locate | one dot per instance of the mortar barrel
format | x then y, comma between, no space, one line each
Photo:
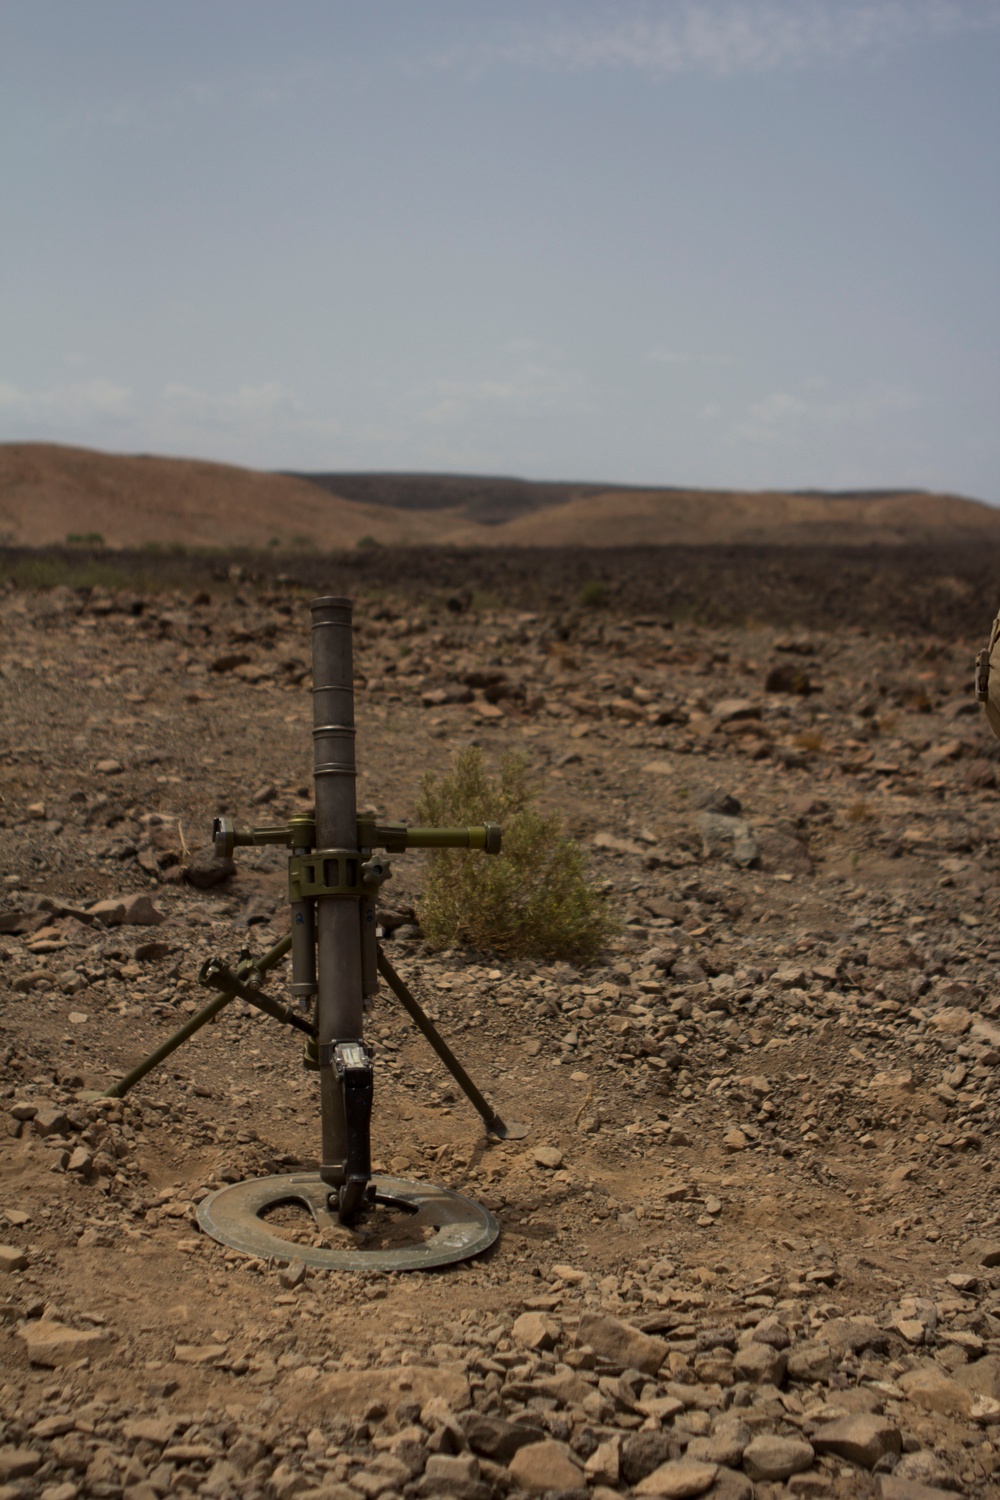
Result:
339,1007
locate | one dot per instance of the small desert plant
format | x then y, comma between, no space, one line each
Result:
533,900
594,594
810,740
84,539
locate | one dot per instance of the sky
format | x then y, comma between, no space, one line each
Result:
720,243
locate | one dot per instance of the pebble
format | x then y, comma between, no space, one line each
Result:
52,1344
548,1465
862,1440
533,1330
549,1157
621,1342
12,1258
678,1479
17,1463
772,1457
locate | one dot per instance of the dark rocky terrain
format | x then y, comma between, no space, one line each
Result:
752,1245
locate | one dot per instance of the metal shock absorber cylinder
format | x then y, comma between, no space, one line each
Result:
340,1005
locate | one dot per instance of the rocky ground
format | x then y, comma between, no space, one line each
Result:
752,1244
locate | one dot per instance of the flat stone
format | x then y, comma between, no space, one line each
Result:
568,1388
678,1479
981,1376
17,1463
386,1473
292,1275
725,1446
449,1472
12,1259
861,1439
545,1466
910,1489
978,1252
50,1427
50,1120
929,1387
728,710
730,1484
760,1363
67,1490
771,1331
498,1439
622,1343
852,1335
547,1156
109,767
771,1457
140,912
533,1330
110,911
926,1467
661,1407
953,1020
52,1345
199,1354
604,1464
158,1430
189,1453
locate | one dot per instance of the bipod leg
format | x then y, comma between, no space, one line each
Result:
495,1126
216,976
195,1023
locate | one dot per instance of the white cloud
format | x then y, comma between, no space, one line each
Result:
683,357
252,420
783,418
66,406
536,386
249,404
724,37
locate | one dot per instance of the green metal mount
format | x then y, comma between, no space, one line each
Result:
300,833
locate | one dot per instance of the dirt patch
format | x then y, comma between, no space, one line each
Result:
771,1108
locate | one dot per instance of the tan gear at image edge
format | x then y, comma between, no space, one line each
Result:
988,678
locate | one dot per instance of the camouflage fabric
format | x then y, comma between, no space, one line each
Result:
988,678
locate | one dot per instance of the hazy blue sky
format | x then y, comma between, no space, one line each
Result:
716,242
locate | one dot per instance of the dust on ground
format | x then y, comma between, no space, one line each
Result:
759,1193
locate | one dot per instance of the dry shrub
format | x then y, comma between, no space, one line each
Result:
533,900
809,739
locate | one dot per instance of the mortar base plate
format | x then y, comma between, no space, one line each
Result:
411,1226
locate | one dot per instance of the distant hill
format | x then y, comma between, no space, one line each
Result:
487,499
49,493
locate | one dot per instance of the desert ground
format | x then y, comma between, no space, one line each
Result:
751,1246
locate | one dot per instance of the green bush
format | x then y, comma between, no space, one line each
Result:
594,594
531,901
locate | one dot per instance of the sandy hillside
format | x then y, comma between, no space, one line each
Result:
650,517
48,493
